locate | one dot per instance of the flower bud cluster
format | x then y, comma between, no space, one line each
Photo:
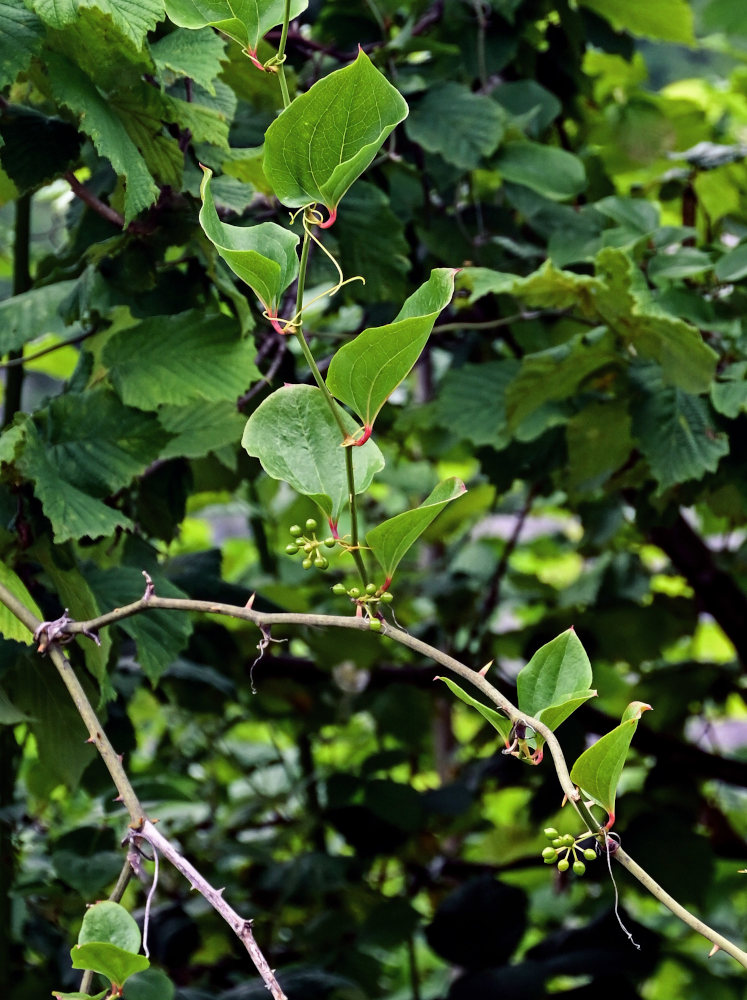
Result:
306,542
566,847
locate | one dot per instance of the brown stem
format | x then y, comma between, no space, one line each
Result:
90,199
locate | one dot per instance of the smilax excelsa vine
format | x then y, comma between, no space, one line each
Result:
320,439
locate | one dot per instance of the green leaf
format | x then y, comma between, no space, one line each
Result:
685,263
152,984
496,720
10,626
71,87
328,136
729,393
733,265
21,34
133,18
556,681
546,288
551,172
246,21
296,438
462,127
194,54
174,360
668,20
110,922
108,960
201,429
674,429
597,771
366,371
471,402
159,635
599,442
390,540
263,256
36,148
32,314
81,996
88,874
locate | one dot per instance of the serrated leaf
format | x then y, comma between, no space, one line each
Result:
264,256
556,681
328,136
10,626
21,35
496,720
597,771
674,430
471,402
390,540
35,148
551,172
200,429
546,288
133,18
459,125
158,635
110,922
195,54
296,438
246,21
670,20
367,370
174,360
108,960
32,314
71,87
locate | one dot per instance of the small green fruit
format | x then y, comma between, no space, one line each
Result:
311,524
569,839
558,842
291,549
321,563
550,832
374,624
295,530
330,542
306,563
549,854
354,592
339,588
579,868
386,597
563,865
590,854
371,588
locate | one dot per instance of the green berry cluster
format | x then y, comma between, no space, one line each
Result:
305,541
367,598
565,846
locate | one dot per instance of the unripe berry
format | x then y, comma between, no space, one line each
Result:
321,563
374,624
579,868
558,842
563,865
295,530
311,524
386,597
308,547
306,563
354,592
551,833
371,588
291,549
549,854
330,542
339,588
590,854
569,839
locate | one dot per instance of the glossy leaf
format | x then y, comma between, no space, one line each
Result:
110,922
246,21
296,438
328,136
108,960
666,19
365,372
264,256
496,720
10,626
556,681
390,540
597,771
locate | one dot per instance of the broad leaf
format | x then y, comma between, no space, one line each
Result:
35,148
201,429
366,371
10,626
496,720
551,172
108,960
546,288
390,540
246,21
81,996
328,136
729,393
110,922
296,438
674,429
597,771
459,125
264,256
21,34
194,54
556,681
733,265
31,314
132,18
670,20
174,360
471,402
151,984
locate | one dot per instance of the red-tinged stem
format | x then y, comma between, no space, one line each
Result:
331,220
333,527
366,435
387,584
255,62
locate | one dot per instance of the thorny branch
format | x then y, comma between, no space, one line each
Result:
264,621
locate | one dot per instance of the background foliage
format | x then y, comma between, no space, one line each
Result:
584,163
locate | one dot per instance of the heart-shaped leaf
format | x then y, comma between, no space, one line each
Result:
597,771
329,135
110,922
108,960
556,681
391,539
496,720
296,438
365,372
246,21
263,256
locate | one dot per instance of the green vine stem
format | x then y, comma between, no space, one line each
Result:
115,896
264,620
281,55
